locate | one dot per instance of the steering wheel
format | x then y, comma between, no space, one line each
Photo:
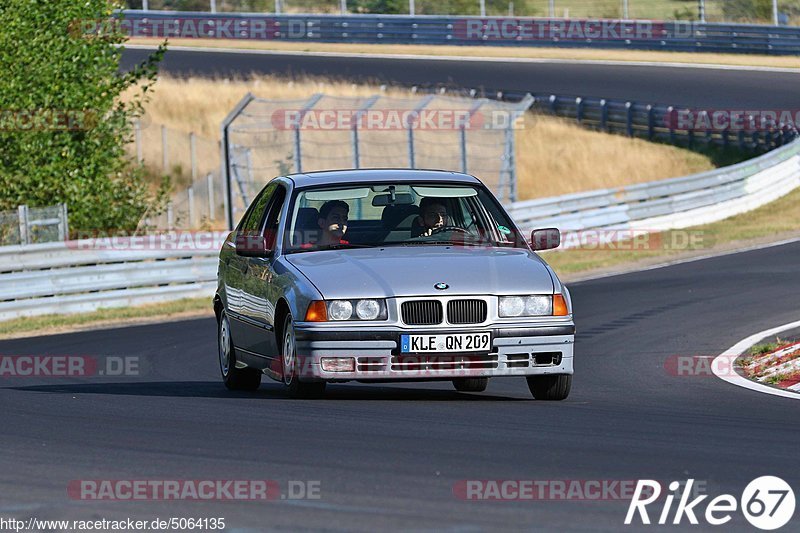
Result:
450,228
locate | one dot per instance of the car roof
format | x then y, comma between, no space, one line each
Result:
398,175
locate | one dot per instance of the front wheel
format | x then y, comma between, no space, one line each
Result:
297,388
234,378
553,387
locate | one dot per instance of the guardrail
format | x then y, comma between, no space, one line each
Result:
80,276
85,275
672,203
683,36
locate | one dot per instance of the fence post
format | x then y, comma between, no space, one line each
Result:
210,185
553,104
603,115
701,11
579,110
775,20
552,9
213,6
671,122
411,8
462,137
137,128
483,7
629,119
190,193
164,149
650,122
625,14
170,217
63,222
278,7
417,110
145,5
22,212
193,154
343,7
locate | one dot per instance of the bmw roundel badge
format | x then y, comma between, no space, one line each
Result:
441,286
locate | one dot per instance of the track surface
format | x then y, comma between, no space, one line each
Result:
388,456
707,88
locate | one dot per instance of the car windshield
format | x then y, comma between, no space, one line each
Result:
402,214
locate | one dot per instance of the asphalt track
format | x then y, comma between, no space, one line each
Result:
388,456
703,88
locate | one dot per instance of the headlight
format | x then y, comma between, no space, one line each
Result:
511,306
538,305
340,310
369,309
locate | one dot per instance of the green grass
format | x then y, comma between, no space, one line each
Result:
48,323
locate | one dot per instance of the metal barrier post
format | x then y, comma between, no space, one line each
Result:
210,185
63,222
416,112
226,153
354,129
603,115
22,213
190,194
650,122
298,154
629,119
579,110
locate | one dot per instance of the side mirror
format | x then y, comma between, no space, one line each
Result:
252,244
545,239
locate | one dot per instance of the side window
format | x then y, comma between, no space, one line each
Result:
255,213
273,220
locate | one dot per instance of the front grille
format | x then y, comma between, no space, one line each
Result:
422,312
466,311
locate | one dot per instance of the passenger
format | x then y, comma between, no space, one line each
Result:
433,215
333,222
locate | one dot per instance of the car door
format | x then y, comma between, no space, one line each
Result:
236,270
262,290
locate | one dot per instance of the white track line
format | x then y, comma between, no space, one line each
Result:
738,349
461,59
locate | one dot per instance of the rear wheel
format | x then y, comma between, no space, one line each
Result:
551,387
234,378
297,388
471,384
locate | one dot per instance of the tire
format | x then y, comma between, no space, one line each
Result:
233,378
553,387
471,384
297,389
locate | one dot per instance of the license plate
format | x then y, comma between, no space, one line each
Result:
461,342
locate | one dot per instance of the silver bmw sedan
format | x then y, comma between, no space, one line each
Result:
389,275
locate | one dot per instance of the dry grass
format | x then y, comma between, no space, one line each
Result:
495,52
553,156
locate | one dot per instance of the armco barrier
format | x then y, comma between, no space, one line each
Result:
671,203
683,36
79,276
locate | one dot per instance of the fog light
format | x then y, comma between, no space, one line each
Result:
338,364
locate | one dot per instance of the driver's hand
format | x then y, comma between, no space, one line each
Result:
427,233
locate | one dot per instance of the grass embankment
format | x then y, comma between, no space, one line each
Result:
554,156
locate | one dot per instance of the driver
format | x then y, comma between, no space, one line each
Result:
333,216
433,215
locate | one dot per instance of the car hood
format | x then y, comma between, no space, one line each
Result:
413,271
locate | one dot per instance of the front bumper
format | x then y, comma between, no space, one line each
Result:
518,351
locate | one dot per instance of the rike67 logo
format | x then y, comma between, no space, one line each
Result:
767,503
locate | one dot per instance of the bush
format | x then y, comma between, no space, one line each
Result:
65,123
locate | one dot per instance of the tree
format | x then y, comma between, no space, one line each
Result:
65,124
